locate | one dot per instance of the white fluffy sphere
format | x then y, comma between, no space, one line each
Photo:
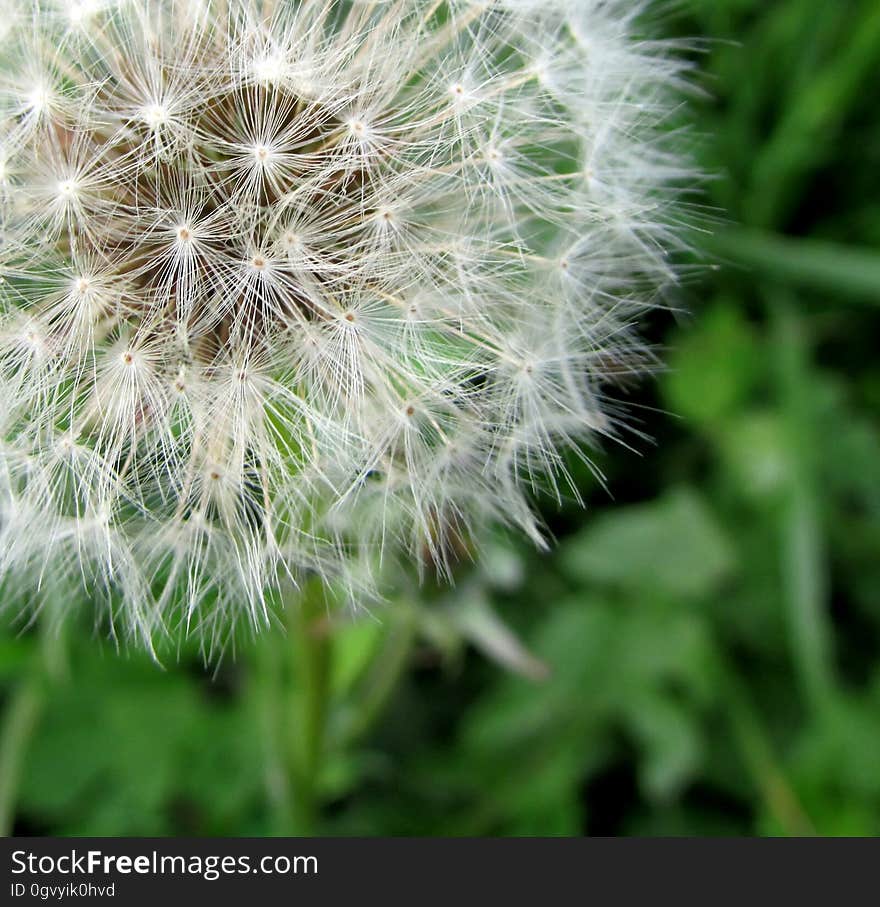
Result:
286,284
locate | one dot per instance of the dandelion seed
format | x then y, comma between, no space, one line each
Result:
155,116
271,69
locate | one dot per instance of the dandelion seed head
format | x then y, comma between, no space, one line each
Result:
290,289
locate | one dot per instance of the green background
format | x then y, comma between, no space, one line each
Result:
697,654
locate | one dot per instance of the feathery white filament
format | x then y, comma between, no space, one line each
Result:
289,283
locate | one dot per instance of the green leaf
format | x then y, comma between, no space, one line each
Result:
714,367
354,644
670,741
754,455
672,546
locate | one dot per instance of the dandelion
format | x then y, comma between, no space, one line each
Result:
288,287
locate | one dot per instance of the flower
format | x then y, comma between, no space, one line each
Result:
288,285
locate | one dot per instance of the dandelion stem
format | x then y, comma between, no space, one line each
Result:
292,690
269,695
312,654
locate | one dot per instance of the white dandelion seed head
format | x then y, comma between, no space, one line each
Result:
290,287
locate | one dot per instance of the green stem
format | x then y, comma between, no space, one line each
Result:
312,653
759,758
269,692
803,561
19,722
291,689
827,267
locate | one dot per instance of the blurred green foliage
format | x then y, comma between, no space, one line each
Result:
697,654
